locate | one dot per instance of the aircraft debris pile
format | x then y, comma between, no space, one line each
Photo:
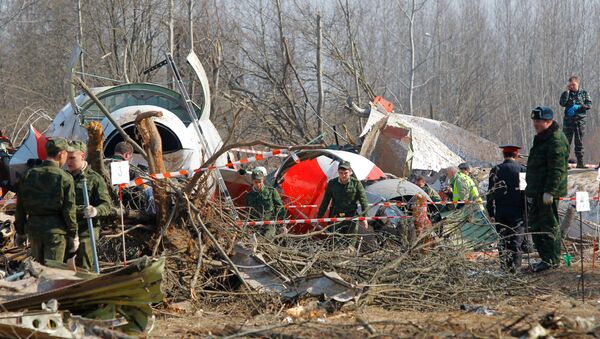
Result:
62,303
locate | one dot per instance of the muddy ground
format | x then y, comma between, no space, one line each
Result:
556,305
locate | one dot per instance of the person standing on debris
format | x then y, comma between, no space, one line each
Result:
462,187
264,203
99,199
344,192
506,204
546,183
138,197
46,207
420,181
576,102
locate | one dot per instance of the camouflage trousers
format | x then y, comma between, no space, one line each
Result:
575,130
545,229
85,254
348,233
46,247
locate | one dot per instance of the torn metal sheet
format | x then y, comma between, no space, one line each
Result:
400,143
395,188
329,285
128,291
256,272
264,278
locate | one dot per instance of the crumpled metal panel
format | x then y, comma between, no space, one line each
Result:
432,145
264,278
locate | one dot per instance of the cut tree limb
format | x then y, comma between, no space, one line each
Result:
153,146
106,113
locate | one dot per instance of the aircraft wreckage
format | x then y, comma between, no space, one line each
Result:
189,138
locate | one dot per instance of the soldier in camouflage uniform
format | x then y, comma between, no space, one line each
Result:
46,207
576,102
99,199
420,181
264,203
546,183
344,192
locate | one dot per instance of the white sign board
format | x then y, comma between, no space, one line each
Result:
598,177
119,172
522,181
583,201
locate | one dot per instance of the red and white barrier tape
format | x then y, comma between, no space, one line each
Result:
251,151
393,203
181,173
317,220
575,199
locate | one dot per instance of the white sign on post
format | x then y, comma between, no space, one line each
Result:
119,172
598,177
583,201
522,181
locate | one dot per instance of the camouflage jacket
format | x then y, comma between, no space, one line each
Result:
98,195
431,193
265,205
547,163
343,198
581,97
46,202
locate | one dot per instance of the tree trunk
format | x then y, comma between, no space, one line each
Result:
320,75
152,144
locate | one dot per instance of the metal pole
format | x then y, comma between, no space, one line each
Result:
86,202
527,232
194,118
581,250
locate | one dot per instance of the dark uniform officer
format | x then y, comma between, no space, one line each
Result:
46,206
264,203
546,182
576,102
99,199
344,192
506,204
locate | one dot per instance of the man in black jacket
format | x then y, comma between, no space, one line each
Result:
506,204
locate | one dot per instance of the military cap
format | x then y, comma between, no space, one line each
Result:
463,166
508,148
344,165
542,113
76,145
257,174
55,145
